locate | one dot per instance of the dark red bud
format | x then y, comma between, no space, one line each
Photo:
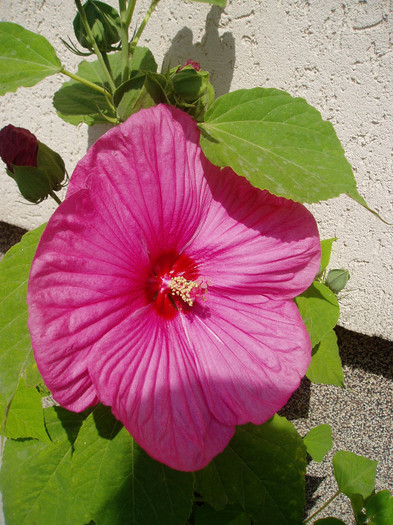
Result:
193,64
18,147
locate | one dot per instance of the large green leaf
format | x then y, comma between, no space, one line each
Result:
35,477
319,441
319,309
116,482
230,515
278,143
326,367
76,102
16,356
262,470
25,417
379,508
25,58
354,474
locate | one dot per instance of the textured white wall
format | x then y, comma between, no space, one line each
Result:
336,54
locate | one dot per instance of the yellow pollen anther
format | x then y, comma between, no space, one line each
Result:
183,288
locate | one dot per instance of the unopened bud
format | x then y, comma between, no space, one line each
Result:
18,146
37,170
336,280
190,89
191,63
105,25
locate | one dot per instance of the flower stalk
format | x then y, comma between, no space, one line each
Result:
139,32
55,197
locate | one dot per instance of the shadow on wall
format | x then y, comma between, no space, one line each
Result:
215,53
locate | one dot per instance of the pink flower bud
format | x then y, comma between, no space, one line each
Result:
18,147
193,64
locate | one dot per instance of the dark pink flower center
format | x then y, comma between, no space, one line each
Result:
173,284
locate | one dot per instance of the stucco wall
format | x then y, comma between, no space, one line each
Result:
336,54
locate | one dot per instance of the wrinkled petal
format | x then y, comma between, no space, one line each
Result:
159,175
255,243
144,369
251,355
87,274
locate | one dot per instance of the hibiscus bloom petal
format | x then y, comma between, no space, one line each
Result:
116,309
251,355
159,175
255,243
81,284
147,372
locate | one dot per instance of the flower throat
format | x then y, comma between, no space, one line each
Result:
173,284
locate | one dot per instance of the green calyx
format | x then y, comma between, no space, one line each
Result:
37,183
190,90
105,25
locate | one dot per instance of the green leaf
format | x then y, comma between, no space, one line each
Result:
35,477
319,309
379,508
76,102
262,470
329,521
116,482
221,3
278,143
230,515
25,418
209,483
326,367
326,250
16,355
357,503
25,58
354,474
142,91
319,441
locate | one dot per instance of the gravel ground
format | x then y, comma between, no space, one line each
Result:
360,414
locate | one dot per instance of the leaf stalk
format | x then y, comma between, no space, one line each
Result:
323,506
84,81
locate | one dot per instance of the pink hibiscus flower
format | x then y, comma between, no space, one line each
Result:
163,288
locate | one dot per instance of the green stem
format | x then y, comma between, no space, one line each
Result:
94,44
125,17
150,11
84,81
125,56
323,506
130,11
55,197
